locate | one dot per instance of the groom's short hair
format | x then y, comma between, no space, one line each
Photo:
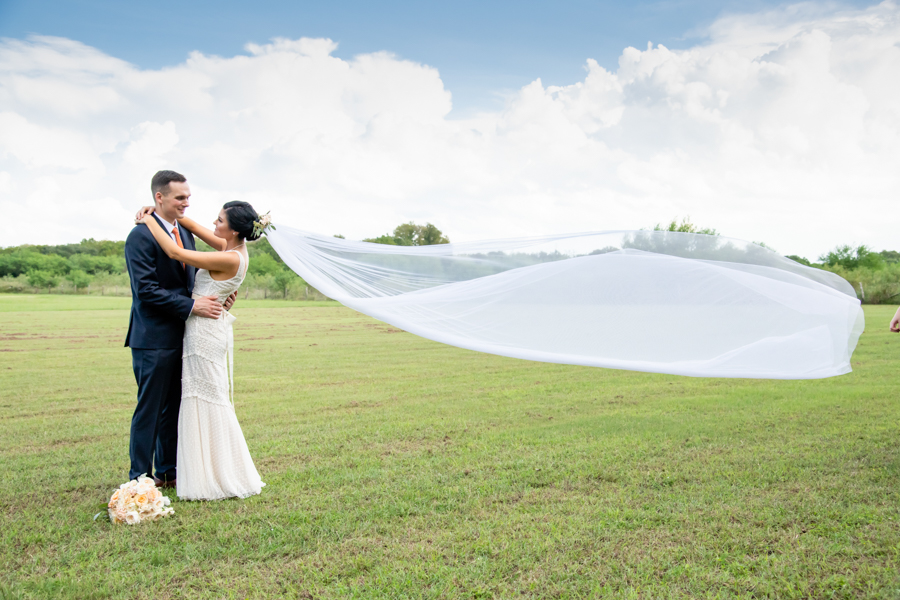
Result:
162,179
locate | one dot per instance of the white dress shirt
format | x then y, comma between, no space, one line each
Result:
169,227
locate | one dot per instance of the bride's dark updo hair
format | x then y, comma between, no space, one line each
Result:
240,218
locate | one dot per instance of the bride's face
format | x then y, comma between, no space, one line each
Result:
221,228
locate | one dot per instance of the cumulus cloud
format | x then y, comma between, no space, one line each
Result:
150,143
783,127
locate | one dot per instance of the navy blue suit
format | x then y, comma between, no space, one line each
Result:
160,304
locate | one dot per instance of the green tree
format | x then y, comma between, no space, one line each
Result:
266,282
853,258
798,259
40,279
262,246
103,247
88,246
405,234
386,239
282,281
79,279
685,227
429,235
23,259
96,264
410,234
264,264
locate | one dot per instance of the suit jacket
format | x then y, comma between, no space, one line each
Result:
160,290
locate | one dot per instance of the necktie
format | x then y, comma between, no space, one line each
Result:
178,241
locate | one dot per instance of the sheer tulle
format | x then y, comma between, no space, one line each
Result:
680,303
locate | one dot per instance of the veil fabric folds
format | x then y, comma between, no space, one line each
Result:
654,301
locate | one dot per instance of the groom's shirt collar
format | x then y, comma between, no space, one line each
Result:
169,227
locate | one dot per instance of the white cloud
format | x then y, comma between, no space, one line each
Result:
36,147
150,143
784,127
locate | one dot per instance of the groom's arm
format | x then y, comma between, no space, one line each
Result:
141,260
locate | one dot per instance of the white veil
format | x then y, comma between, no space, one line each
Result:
664,302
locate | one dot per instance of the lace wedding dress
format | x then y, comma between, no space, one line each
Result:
213,459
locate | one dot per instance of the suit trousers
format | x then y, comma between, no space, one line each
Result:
154,426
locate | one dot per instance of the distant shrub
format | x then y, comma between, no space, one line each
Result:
873,286
799,259
849,257
43,279
13,285
79,279
685,227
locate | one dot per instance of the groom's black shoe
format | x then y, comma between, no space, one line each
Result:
170,483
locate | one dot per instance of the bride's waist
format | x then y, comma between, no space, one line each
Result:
206,321
196,296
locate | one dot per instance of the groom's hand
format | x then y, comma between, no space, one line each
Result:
207,306
229,302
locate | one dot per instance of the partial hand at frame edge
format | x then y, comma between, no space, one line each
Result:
895,322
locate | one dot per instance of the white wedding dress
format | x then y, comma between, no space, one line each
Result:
213,459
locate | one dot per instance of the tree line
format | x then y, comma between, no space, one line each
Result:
874,275
98,267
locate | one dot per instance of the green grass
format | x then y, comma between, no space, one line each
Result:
401,468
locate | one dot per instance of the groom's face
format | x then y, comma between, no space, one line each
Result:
173,203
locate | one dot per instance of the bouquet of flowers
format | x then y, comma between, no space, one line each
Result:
137,501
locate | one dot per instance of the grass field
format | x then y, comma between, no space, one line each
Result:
402,468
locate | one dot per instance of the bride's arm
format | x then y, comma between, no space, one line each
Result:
191,225
214,262
203,233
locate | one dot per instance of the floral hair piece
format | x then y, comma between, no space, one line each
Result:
260,225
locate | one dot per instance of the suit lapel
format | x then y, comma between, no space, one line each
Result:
158,220
186,273
187,240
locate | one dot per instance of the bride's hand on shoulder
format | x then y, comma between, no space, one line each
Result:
144,212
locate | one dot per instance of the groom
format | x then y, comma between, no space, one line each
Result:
161,303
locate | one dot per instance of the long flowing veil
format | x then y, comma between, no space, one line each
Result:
664,302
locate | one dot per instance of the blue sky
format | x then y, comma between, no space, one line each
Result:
481,48
768,122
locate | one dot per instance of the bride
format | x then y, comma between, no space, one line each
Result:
213,461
